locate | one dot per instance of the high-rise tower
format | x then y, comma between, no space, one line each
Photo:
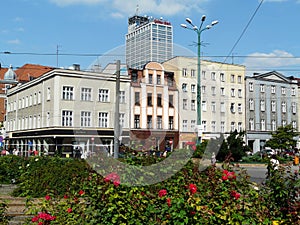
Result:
148,39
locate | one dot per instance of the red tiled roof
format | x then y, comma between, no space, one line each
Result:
29,71
2,72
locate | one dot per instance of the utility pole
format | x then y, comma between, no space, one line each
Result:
117,113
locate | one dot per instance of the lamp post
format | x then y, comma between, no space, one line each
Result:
198,30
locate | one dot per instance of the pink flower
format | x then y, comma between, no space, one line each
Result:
169,202
35,219
162,192
193,188
228,175
81,192
47,197
40,223
224,177
69,210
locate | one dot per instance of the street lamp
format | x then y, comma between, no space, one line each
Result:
198,31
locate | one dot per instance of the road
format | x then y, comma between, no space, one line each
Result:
258,172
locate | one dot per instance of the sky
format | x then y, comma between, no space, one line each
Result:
263,35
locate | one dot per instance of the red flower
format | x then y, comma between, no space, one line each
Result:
66,196
47,197
113,177
224,177
169,202
35,219
193,188
81,192
228,175
69,210
40,223
235,194
162,192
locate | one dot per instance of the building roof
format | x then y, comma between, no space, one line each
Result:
30,71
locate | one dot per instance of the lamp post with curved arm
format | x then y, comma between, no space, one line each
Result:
198,30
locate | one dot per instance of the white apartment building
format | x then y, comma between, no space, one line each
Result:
222,97
66,108
148,40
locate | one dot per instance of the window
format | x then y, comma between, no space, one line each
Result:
184,125
232,126
193,125
85,119
26,101
283,123
203,75
193,88
232,78
251,124
68,93
103,119
222,126
150,78
171,122
203,106
274,127
136,121
251,104
184,72
222,107
158,79
294,108
232,91
239,79
193,73
294,124
193,105
251,86
240,110
67,118
222,91
103,95
159,122
283,90
240,93
232,108
149,122
48,93
137,98
86,94
213,75
35,98
263,125
293,91
184,104
170,81
149,99
239,128
273,89
171,101
213,106
39,97
213,126
222,77
273,106
283,107
122,119
134,77
184,87
122,97
262,105
262,88
159,103
203,88
213,90
204,125
47,119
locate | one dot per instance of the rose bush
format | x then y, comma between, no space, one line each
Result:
213,196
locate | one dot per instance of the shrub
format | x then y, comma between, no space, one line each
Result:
9,168
3,216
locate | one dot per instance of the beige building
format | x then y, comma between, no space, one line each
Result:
154,108
66,108
222,97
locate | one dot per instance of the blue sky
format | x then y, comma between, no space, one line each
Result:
82,30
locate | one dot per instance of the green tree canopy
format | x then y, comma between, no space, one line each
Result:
283,138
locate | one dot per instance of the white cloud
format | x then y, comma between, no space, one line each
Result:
125,8
270,61
14,42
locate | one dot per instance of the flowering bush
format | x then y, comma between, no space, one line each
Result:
214,196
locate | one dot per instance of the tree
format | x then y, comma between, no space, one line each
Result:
283,138
233,145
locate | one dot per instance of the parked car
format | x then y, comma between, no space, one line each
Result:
268,152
